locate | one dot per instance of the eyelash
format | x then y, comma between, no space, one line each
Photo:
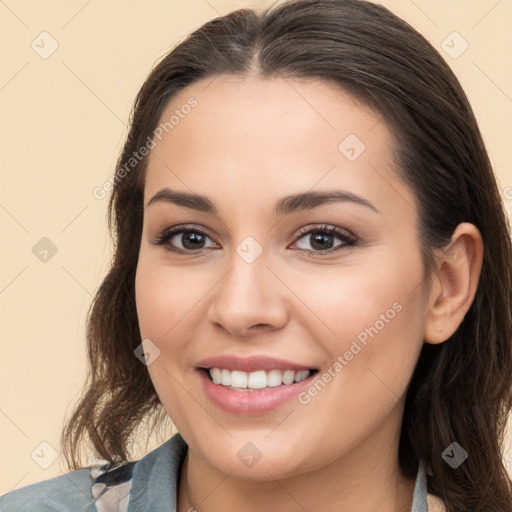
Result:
163,238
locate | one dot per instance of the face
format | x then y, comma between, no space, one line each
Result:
316,303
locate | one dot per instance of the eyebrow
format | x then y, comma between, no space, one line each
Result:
284,206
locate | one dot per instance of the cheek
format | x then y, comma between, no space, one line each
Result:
361,301
165,297
373,319
378,325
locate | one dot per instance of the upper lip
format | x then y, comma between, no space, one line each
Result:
250,364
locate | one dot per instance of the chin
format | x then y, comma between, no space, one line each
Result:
255,460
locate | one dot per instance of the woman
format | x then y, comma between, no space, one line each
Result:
312,280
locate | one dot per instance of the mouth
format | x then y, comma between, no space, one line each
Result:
252,385
238,380
253,393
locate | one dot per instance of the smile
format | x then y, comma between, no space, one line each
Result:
240,380
253,393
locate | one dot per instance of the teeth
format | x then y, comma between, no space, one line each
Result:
216,374
225,378
256,380
288,377
238,379
274,378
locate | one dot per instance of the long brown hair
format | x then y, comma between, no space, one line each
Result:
461,389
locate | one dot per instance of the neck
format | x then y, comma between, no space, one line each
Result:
366,479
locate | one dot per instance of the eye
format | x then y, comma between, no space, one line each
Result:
322,239
191,239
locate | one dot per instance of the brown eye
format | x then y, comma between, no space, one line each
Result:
323,239
180,239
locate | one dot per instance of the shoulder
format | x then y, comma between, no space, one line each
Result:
55,495
94,488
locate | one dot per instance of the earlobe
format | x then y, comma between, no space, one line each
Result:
455,283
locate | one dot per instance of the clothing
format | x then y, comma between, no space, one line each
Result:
148,485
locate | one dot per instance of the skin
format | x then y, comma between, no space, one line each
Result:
246,144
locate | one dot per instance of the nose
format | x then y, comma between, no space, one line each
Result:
249,299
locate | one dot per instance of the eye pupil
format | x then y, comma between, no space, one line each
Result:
319,241
193,238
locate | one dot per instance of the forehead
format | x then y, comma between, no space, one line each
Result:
250,113
256,136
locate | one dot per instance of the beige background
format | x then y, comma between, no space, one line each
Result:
63,122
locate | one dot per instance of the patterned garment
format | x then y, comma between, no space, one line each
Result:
111,486
148,485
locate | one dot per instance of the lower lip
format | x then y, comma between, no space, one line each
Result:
251,402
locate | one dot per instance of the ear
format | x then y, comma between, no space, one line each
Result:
454,283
